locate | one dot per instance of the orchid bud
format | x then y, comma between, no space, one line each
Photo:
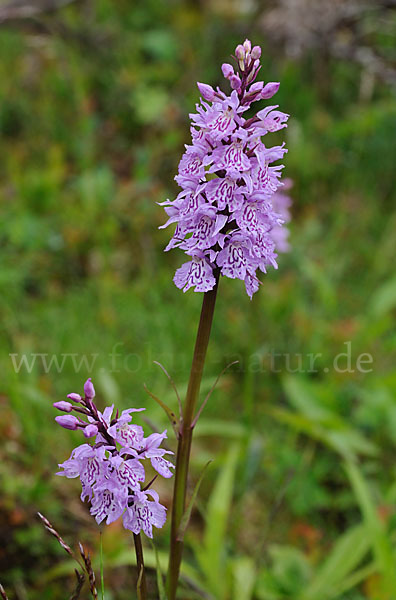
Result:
90,430
235,82
89,390
74,397
256,87
256,52
227,70
247,46
67,421
206,91
240,52
65,406
269,90
253,74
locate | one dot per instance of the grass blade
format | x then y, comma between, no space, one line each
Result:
211,556
244,575
376,529
347,553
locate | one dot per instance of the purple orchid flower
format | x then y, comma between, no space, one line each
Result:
227,217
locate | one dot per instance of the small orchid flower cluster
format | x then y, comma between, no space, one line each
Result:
111,472
224,214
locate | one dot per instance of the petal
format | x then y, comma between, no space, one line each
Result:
162,466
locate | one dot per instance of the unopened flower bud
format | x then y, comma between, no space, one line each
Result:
89,390
227,69
65,406
235,82
74,397
206,91
247,46
252,75
90,430
256,52
240,52
256,87
269,90
67,421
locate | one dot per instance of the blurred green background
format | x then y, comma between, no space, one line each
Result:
299,502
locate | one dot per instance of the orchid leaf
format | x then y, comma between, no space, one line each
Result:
187,513
170,414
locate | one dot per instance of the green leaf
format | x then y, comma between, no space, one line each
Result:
244,575
383,299
355,579
170,414
211,555
290,569
376,529
320,422
345,442
346,554
187,513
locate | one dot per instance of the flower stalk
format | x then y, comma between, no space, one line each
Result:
141,583
185,438
225,222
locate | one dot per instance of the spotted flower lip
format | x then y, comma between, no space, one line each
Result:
111,471
227,218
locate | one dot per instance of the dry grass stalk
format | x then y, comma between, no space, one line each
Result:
80,582
89,571
53,531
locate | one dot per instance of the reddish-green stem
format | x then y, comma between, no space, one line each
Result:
142,587
185,438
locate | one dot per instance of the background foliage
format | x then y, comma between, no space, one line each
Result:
299,502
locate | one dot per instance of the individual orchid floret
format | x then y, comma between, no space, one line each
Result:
111,470
225,217
142,514
151,449
198,273
107,504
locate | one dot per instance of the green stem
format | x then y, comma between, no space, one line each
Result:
141,585
185,438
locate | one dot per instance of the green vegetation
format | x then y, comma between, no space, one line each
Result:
299,501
